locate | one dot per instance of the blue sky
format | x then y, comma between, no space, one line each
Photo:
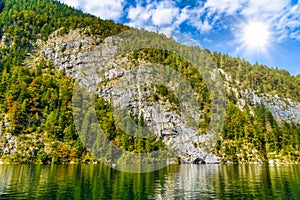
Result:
267,32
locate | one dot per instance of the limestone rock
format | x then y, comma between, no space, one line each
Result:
130,87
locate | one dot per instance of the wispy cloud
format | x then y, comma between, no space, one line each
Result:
264,8
168,15
228,7
280,15
163,16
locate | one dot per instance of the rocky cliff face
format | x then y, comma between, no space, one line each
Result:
283,109
130,85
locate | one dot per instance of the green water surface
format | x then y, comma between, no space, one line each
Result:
172,182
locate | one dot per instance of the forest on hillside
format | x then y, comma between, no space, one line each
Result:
36,103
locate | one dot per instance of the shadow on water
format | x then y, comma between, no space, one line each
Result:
171,182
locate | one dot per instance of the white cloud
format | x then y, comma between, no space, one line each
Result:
164,15
182,16
283,18
247,8
293,24
105,9
161,16
295,35
71,3
287,22
203,27
138,13
226,6
267,8
139,16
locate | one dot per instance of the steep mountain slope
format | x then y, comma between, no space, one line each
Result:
42,54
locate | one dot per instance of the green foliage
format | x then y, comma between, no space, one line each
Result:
189,72
24,22
118,136
38,101
36,108
166,94
40,104
259,77
250,138
247,136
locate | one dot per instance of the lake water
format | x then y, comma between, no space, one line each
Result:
172,182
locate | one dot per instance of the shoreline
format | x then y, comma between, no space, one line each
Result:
113,164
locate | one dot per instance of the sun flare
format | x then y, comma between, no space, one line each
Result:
256,35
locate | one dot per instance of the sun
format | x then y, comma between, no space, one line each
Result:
256,35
